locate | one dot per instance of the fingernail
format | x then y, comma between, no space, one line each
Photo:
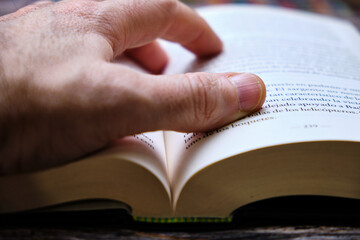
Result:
249,90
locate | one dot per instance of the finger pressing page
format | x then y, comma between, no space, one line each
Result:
135,23
151,56
131,102
204,101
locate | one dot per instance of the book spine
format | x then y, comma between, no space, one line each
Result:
183,220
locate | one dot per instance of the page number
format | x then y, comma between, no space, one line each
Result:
311,126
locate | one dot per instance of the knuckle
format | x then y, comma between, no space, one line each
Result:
112,20
122,20
204,94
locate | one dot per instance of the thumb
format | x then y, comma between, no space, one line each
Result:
204,101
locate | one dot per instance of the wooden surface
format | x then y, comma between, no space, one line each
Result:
306,217
273,232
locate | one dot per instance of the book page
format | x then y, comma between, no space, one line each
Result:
145,149
310,65
131,170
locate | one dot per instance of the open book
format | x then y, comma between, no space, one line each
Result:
304,141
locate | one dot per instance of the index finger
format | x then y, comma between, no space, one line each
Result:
134,23
192,32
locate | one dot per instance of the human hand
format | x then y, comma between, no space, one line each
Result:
61,97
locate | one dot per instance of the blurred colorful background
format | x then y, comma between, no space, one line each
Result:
349,9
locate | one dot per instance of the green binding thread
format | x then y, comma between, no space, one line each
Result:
183,220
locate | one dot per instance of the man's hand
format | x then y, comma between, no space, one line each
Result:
61,97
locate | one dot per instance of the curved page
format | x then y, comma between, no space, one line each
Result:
310,64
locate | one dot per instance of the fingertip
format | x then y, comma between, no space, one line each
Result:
160,67
151,56
193,32
206,44
251,91
262,94
208,49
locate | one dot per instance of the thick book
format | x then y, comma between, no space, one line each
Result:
304,141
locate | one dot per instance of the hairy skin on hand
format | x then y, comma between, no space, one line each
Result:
61,97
